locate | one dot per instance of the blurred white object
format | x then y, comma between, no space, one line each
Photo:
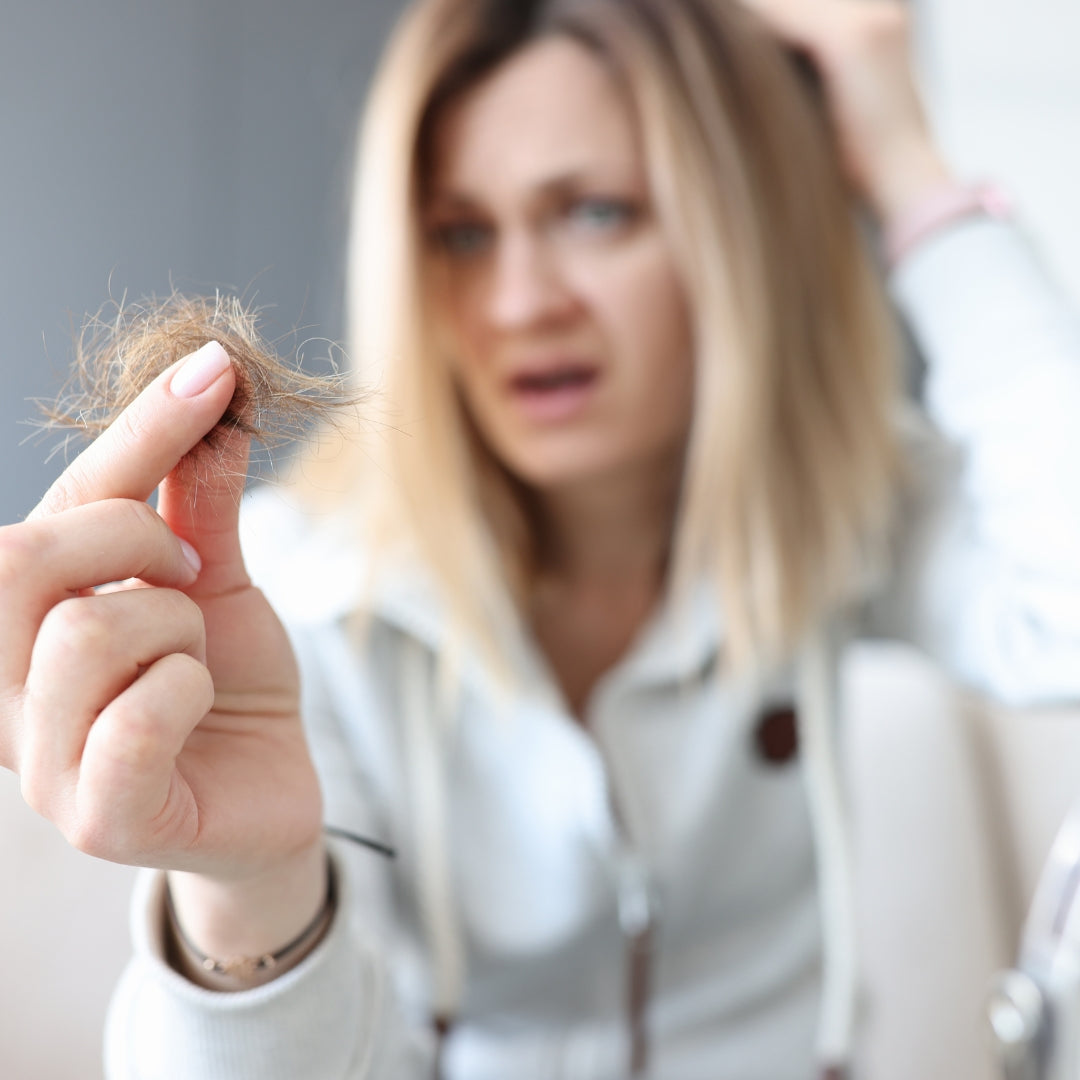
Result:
1034,1010
1003,87
932,913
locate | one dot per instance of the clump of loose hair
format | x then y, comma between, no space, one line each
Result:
125,346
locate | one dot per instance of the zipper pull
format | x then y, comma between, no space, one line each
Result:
636,897
637,910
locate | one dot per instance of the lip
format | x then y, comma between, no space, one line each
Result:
553,390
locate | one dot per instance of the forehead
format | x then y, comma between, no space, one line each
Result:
551,111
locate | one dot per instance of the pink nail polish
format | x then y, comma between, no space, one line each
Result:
191,555
199,370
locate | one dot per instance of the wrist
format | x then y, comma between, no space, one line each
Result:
223,931
911,170
939,209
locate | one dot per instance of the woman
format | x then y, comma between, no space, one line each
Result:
642,458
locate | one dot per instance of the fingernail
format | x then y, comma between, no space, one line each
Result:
199,370
191,555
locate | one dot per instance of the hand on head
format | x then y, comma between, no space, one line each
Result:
862,51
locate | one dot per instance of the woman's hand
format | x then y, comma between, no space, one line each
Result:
862,51
156,722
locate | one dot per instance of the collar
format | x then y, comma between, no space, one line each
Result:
314,569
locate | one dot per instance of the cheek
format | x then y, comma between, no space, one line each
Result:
455,337
449,299
647,323
445,311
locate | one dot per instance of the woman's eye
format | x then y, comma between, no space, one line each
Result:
461,238
601,214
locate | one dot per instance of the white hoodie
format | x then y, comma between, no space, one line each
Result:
515,887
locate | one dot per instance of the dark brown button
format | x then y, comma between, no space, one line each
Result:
776,736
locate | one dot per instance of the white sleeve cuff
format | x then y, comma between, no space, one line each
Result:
320,1021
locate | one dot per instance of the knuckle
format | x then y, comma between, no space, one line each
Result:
202,685
131,428
138,515
884,24
150,729
879,30
78,627
71,490
94,835
198,683
137,738
142,742
18,553
181,609
145,520
55,501
46,793
36,794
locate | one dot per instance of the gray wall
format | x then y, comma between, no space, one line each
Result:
145,144
207,144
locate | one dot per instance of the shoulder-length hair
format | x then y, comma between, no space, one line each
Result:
791,457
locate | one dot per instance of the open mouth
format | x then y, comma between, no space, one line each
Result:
571,378
555,394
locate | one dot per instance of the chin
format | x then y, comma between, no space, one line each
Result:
565,464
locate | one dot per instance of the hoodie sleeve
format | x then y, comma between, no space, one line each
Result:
988,567
334,1017
341,1013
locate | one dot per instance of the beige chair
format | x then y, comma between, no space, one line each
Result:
63,943
956,807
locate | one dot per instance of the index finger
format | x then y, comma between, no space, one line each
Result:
150,436
801,24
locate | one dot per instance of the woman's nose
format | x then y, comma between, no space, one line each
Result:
527,286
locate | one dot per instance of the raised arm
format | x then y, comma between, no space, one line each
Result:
988,569
149,701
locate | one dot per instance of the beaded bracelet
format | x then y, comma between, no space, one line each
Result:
248,967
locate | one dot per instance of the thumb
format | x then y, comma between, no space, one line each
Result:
200,502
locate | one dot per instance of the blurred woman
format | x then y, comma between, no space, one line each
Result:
573,627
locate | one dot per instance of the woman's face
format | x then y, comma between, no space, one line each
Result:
553,282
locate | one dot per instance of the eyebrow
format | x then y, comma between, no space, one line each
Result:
559,184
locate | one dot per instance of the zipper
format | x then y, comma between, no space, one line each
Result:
637,906
634,894
637,910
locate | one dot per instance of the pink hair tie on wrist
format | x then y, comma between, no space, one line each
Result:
938,211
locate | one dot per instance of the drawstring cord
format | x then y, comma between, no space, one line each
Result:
820,741
426,779
832,840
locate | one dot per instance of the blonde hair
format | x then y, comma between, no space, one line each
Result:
791,457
